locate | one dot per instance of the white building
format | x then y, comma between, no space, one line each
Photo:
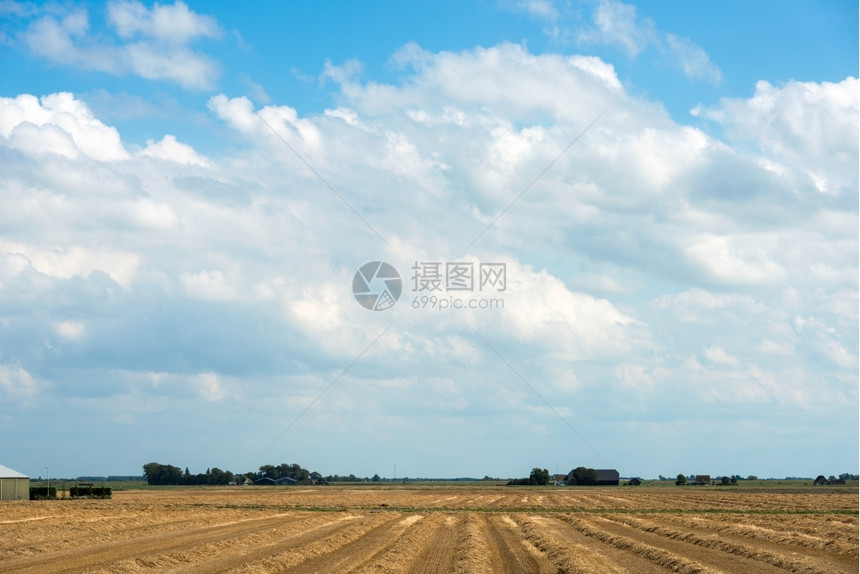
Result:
13,484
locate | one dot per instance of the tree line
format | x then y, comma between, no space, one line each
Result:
581,476
157,474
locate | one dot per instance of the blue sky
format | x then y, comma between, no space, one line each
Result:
189,189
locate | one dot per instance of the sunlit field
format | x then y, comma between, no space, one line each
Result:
437,529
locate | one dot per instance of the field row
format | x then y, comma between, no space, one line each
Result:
702,499
248,531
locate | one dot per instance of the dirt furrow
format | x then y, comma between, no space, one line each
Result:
358,551
510,552
570,552
73,534
437,556
88,557
841,540
473,552
253,547
677,555
762,551
420,548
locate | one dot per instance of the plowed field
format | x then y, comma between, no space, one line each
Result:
436,530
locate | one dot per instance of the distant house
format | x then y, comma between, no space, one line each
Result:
559,479
703,479
286,480
608,477
635,481
821,481
605,477
248,482
13,484
265,481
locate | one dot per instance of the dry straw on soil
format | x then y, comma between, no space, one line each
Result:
435,530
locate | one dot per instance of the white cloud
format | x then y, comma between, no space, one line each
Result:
651,258
808,126
692,59
148,213
171,150
720,356
772,347
16,383
76,261
209,386
543,9
736,260
72,330
209,285
698,306
599,68
618,24
172,24
60,124
152,43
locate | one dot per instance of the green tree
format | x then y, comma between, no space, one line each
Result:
539,476
267,470
724,480
217,476
158,474
584,476
681,479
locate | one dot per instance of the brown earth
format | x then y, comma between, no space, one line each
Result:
435,530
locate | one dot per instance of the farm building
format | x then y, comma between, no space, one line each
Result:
703,479
605,477
821,481
635,481
608,477
13,484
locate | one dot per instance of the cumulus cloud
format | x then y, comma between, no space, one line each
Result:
647,259
60,124
68,261
806,126
151,43
168,148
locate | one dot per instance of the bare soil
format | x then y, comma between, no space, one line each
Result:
435,530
